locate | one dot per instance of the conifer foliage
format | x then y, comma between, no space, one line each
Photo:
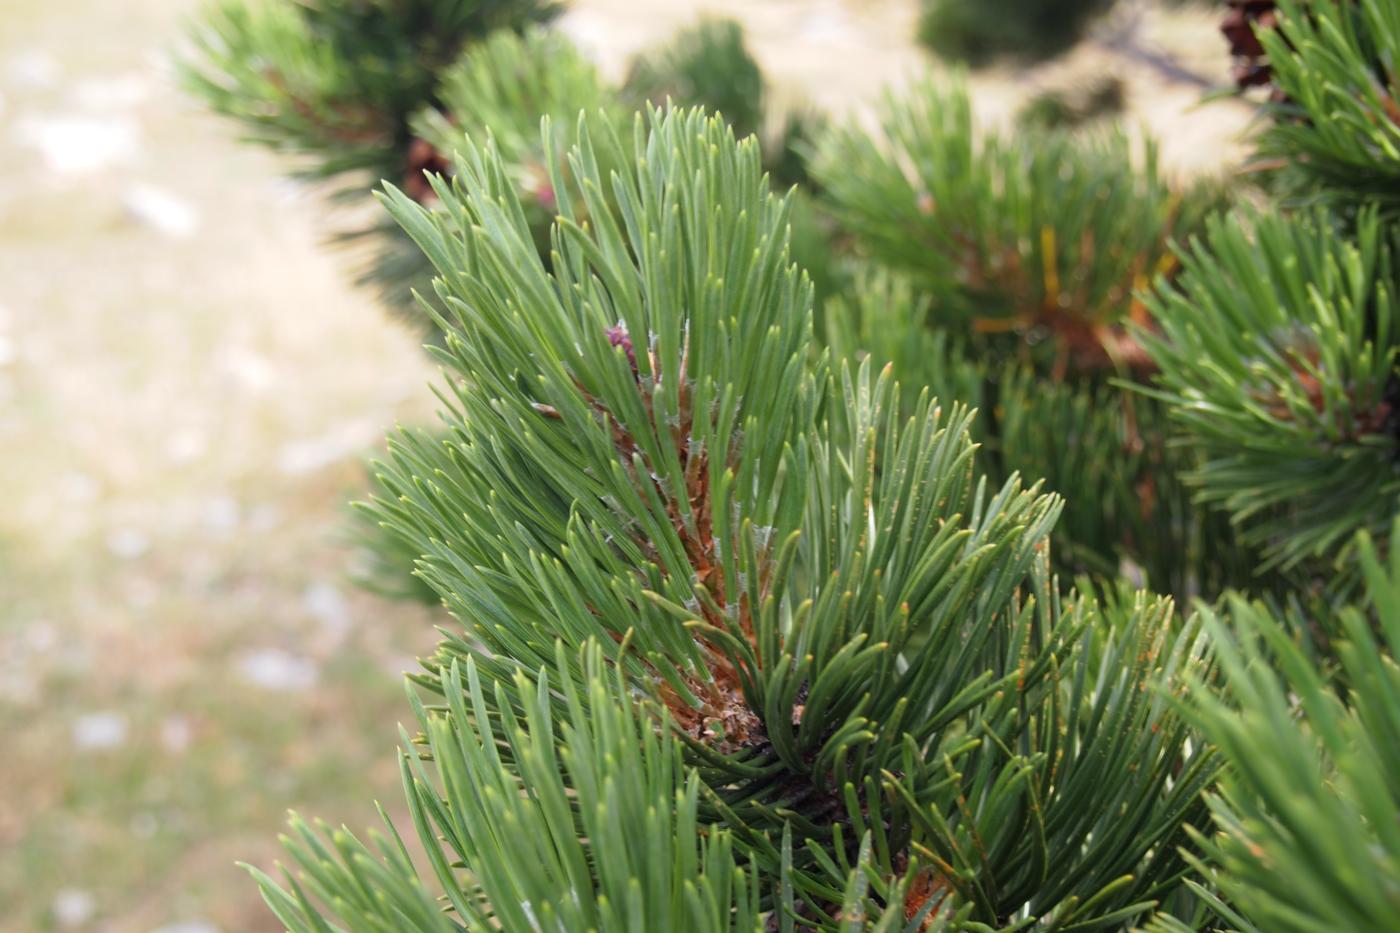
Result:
1014,261
710,65
708,62
370,90
980,31
342,79
1336,129
502,90
1278,361
340,83
1278,353
1022,230
818,658
1309,812
1278,345
749,637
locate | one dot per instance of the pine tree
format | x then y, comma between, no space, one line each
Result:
369,90
707,63
749,637
1278,356
1078,105
985,30
1016,261
502,91
339,84
743,646
710,65
509,72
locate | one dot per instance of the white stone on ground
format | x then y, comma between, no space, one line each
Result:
160,210
112,91
33,69
275,669
221,515
78,144
250,369
129,543
100,731
73,907
186,445
345,440
325,603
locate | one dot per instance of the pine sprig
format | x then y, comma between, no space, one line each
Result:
1336,131
340,85
1026,831
1024,30
746,638
1042,236
1278,357
1307,819
340,80
707,64
1128,509
606,422
502,90
583,818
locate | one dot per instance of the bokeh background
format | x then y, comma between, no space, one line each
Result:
189,387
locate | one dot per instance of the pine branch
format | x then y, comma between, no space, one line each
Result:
1045,237
1129,510
856,640
558,829
706,65
1336,129
1307,819
1278,357
340,80
340,85
502,91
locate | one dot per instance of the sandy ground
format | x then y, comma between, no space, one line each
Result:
187,385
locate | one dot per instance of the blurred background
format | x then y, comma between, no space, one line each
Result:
189,386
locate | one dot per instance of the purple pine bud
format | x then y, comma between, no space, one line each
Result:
618,337
544,194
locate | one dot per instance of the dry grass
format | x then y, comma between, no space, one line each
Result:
181,417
